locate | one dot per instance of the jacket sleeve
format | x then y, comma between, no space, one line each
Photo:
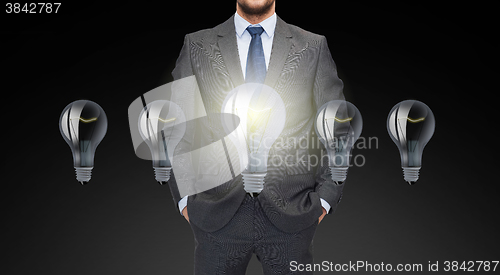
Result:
327,87
182,69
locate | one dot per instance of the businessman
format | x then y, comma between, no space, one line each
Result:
277,224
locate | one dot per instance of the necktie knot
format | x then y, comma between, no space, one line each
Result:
255,30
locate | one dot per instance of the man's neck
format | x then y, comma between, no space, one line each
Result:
256,18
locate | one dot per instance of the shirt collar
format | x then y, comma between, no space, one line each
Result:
269,25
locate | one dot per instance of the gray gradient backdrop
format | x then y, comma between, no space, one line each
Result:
123,222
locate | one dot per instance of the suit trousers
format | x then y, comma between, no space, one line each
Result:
229,249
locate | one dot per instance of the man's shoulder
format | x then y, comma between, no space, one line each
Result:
197,35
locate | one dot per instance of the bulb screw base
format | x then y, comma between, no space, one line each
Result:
411,174
162,174
339,174
253,182
83,174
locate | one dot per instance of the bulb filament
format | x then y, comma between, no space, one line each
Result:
88,120
341,120
415,120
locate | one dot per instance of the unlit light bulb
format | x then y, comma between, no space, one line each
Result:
83,125
338,125
411,125
162,126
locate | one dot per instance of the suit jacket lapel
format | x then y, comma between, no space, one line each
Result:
281,46
229,50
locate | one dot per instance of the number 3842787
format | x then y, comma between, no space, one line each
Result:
32,7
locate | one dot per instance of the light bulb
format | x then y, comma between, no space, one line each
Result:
83,125
262,115
411,125
162,126
338,125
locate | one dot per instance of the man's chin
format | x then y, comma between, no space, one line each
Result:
255,9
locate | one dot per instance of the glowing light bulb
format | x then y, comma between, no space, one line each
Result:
262,115
411,125
83,125
162,126
338,125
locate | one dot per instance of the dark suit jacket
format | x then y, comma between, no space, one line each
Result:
303,72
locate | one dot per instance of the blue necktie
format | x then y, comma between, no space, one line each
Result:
256,63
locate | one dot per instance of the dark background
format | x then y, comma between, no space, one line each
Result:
123,222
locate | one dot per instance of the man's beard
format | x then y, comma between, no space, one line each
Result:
255,11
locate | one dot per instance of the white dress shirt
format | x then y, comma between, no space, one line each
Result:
243,39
